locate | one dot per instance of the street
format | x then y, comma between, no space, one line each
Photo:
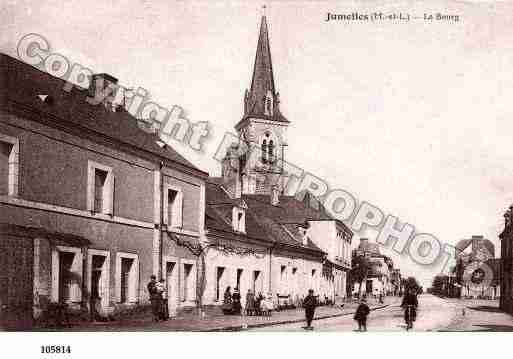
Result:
434,314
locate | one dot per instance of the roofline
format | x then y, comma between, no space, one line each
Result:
239,236
16,107
198,173
260,117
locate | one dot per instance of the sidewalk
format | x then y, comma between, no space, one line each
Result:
479,316
213,323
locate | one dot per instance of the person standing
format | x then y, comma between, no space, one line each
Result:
237,307
154,298
250,302
309,303
361,314
162,290
227,301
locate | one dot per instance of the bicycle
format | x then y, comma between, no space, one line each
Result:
409,316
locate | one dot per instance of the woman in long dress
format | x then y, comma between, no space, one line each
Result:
227,301
237,307
250,302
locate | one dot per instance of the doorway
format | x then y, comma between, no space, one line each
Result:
170,275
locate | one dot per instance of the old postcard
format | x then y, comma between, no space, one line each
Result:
255,167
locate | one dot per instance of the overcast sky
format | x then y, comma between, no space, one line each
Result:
415,118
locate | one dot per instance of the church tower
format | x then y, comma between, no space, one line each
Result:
262,129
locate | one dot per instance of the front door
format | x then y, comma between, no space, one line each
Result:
172,287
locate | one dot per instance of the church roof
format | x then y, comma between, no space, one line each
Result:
262,81
264,222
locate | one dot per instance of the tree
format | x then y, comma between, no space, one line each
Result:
360,269
437,285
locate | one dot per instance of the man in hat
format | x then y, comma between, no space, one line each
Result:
154,298
309,303
361,314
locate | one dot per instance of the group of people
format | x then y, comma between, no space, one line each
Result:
255,304
158,299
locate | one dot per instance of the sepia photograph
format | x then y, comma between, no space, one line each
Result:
237,166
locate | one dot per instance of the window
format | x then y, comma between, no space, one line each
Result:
283,272
264,151
239,277
188,282
66,280
100,179
9,158
257,282
313,273
271,152
66,274
126,270
268,102
173,203
100,189
98,269
219,282
239,219
127,277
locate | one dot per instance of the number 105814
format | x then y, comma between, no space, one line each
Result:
55,349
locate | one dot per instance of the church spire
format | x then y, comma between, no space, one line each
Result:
263,77
262,100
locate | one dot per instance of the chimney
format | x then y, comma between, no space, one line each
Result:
275,195
98,87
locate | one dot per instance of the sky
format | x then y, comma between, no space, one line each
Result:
414,118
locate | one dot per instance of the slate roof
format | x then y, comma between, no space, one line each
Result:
20,85
265,222
477,241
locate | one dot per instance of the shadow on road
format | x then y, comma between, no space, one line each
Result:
486,308
494,328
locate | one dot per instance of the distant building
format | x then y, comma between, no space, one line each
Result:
380,274
476,270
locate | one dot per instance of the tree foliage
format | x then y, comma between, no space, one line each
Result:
361,267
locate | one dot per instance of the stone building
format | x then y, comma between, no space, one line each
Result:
90,205
476,268
379,274
260,238
506,268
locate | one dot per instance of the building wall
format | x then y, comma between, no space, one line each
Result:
506,297
53,168
308,274
232,262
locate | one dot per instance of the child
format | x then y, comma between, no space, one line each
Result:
361,315
160,287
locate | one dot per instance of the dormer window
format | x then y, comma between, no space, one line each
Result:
268,102
239,219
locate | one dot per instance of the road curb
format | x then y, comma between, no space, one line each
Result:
238,328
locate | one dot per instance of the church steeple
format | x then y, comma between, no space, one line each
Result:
262,100
262,129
